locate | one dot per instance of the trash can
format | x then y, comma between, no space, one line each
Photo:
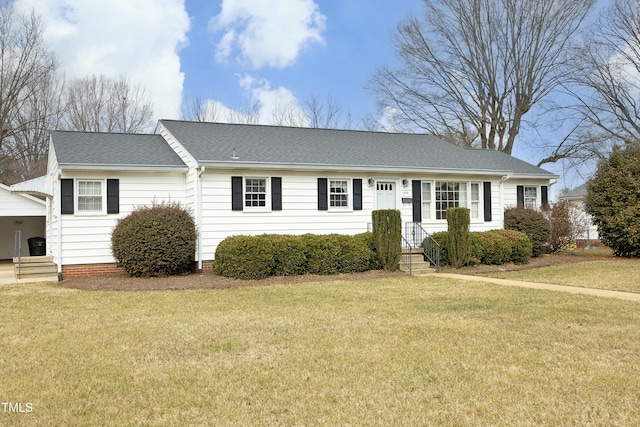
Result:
37,246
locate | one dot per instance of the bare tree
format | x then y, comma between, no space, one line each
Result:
197,109
472,70
607,85
102,104
27,68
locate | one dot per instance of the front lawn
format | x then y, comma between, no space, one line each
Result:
616,274
390,351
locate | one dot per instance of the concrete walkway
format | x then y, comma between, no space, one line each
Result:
629,296
8,278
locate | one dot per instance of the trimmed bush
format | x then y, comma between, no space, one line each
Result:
387,237
497,249
259,257
458,220
366,240
530,222
245,257
156,240
475,251
520,243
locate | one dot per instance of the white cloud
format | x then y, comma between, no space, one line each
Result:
277,106
267,33
138,39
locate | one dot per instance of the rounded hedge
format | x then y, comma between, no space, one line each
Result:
156,240
490,247
266,255
530,222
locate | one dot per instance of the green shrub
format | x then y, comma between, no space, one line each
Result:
322,253
520,243
496,248
259,257
530,222
475,250
366,240
387,237
156,240
613,200
288,255
458,220
245,257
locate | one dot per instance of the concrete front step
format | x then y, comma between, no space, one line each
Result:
34,267
418,265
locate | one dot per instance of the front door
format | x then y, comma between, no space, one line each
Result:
386,195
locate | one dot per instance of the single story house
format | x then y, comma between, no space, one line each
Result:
19,212
254,179
577,197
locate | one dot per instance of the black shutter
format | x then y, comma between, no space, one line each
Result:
276,193
487,200
357,194
236,193
323,204
66,196
416,196
520,195
544,195
113,196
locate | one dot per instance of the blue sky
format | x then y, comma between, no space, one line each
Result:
233,53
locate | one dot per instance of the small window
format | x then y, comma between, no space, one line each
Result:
338,193
255,193
426,200
475,200
531,197
89,196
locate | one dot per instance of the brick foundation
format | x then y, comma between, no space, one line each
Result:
83,270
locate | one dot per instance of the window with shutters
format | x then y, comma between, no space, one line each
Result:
255,193
531,197
338,193
90,197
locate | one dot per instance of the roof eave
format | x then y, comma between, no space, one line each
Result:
360,168
125,168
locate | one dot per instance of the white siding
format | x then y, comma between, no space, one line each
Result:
86,239
300,212
19,204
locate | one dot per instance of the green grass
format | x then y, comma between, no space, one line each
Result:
407,351
613,274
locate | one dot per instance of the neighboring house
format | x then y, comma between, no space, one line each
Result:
577,196
21,212
252,179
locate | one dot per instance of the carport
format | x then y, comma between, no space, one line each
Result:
19,212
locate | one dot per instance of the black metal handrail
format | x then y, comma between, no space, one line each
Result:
407,251
17,249
418,237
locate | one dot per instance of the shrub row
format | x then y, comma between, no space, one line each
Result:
530,222
490,247
266,255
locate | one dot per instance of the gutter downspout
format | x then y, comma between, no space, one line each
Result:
503,179
199,216
57,209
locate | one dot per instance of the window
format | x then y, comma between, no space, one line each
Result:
338,193
530,197
448,195
255,193
451,194
475,200
89,196
426,200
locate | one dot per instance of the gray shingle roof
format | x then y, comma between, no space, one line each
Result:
577,193
113,149
216,143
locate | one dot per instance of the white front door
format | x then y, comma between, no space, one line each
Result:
385,195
